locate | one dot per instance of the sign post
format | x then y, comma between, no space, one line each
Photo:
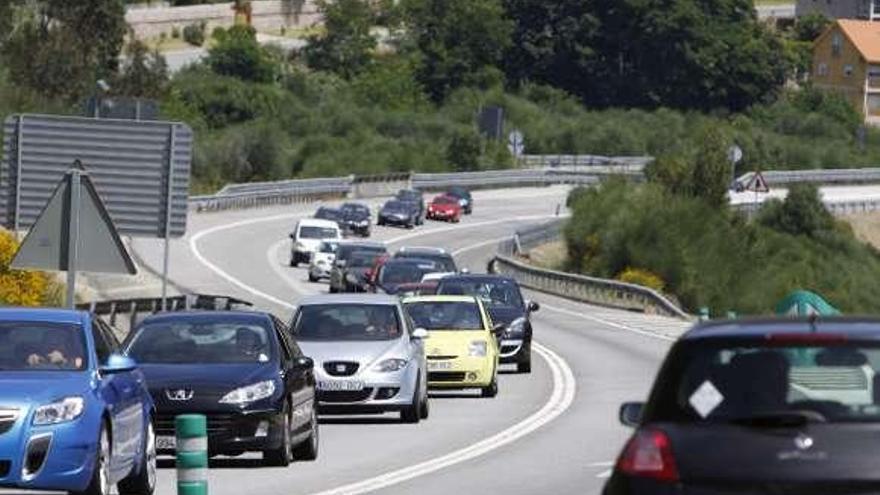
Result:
516,144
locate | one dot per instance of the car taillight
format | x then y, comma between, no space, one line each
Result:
648,454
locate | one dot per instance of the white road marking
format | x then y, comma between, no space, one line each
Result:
601,464
560,400
479,245
604,474
609,323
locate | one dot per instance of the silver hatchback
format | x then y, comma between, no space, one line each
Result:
368,356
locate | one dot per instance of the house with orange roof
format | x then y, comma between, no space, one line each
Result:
846,60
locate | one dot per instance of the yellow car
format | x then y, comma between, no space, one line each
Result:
462,348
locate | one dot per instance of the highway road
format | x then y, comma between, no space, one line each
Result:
554,431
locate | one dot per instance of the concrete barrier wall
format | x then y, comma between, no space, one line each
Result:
266,15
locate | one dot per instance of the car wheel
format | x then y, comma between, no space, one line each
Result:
100,482
312,278
524,365
411,225
333,290
294,260
144,481
491,390
413,412
308,449
281,456
426,409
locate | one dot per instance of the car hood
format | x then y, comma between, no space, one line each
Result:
212,376
505,314
364,352
453,342
41,387
401,213
444,207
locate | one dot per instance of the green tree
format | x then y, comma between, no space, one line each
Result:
463,151
711,170
462,42
673,172
802,212
347,46
810,26
238,54
61,47
144,73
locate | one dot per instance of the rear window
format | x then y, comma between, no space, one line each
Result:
736,379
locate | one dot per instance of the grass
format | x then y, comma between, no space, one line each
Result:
772,3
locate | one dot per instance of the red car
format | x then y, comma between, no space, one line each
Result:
445,208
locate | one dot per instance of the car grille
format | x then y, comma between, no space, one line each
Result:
340,396
446,376
341,368
7,419
217,423
5,464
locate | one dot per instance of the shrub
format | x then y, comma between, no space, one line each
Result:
21,287
238,54
175,32
194,34
641,277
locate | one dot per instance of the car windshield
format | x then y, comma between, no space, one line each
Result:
732,380
458,192
444,262
355,211
493,293
328,214
328,247
408,194
31,346
445,315
332,322
345,251
200,342
308,232
404,273
395,206
363,259
445,200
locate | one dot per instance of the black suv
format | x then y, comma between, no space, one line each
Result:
778,406
503,299
356,219
242,370
464,198
397,212
414,196
444,261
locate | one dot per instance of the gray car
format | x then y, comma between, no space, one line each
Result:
368,356
344,251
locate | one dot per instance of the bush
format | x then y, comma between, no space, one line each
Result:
22,287
641,277
194,34
238,54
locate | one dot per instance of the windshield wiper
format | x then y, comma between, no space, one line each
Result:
776,419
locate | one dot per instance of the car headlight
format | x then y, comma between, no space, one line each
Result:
477,348
364,223
390,365
300,246
462,202
517,326
250,393
66,409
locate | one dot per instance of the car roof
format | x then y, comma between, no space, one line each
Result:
382,299
416,299
861,327
197,315
410,261
362,243
477,277
317,222
43,315
421,250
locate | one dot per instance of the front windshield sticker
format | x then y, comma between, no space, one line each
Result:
705,399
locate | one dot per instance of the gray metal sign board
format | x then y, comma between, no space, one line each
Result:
141,169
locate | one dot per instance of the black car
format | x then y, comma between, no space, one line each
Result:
338,274
503,299
396,212
414,196
397,272
444,260
778,406
332,214
464,197
242,370
357,272
356,219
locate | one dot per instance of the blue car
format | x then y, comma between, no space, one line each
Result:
74,414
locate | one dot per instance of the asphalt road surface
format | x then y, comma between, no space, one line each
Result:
553,431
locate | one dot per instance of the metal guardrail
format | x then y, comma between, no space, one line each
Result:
821,176
554,161
835,207
593,290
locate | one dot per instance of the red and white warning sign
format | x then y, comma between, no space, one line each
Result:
757,183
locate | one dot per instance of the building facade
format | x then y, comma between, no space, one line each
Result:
840,9
846,60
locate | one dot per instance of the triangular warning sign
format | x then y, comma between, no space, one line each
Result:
99,248
757,183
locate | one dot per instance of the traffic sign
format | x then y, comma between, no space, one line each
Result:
757,183
516,143
734,154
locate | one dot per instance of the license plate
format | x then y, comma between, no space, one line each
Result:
166,443
440,365
344,386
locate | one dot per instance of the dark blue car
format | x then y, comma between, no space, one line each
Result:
74,414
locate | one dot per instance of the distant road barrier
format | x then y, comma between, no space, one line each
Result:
592,290
821,176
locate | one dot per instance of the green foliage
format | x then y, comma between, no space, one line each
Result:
711,176
194,33
238,54
143,73
808,27
708,257
390,84
346,47
463,152
802,212
460,42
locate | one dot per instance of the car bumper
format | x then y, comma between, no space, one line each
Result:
396,220
318,271
462,372
70,451
513,350
381,392
441,215
231,432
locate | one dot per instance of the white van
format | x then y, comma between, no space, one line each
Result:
308,235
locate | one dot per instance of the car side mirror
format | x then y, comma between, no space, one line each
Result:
533,306
292,235
303,363
631,413
420,334
117,363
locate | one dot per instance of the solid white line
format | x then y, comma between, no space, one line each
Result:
560,399
608,323
601,464
604,474
479,245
